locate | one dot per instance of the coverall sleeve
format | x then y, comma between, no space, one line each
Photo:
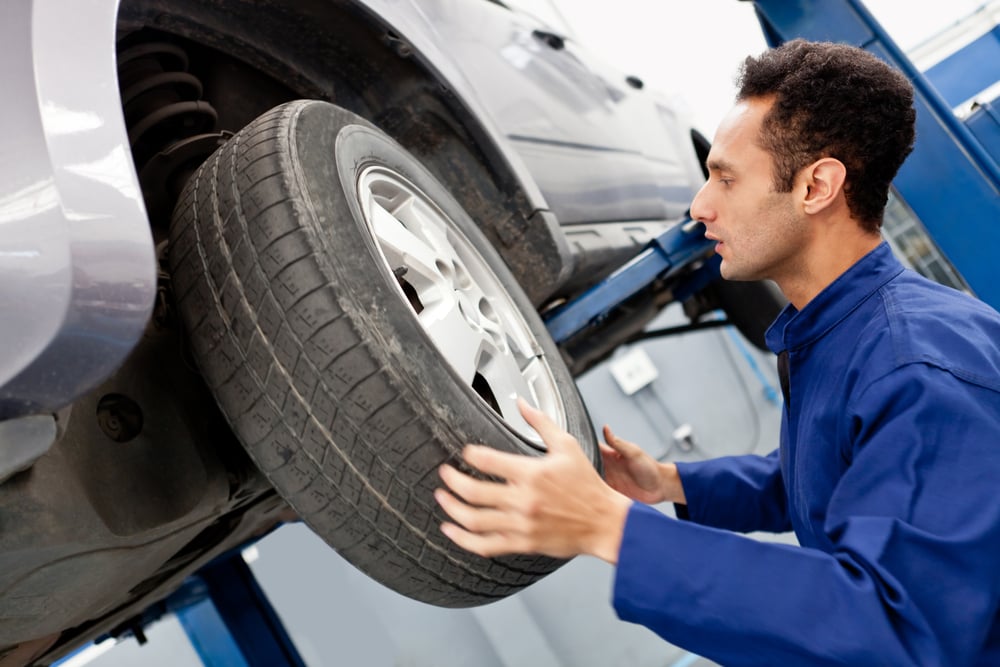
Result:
913,577
741,493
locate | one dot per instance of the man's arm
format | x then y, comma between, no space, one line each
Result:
630,470
741,493
558,505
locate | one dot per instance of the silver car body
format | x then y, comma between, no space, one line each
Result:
77,265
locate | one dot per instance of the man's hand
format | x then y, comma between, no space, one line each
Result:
632,471
556,504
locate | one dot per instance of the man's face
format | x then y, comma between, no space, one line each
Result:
761,233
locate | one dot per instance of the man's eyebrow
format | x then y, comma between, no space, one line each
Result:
718,165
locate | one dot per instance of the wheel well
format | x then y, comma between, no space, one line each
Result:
335,51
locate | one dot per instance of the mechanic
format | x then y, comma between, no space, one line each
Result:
888,468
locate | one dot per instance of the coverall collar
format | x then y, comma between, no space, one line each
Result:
794,328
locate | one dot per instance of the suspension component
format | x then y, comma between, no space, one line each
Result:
171,129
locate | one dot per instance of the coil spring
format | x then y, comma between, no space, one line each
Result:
160,98
170,127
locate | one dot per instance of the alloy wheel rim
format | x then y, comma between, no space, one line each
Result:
458,300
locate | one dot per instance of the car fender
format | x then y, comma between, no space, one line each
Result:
77,261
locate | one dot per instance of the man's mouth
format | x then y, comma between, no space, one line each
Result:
718,242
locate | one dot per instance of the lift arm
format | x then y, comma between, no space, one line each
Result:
664,258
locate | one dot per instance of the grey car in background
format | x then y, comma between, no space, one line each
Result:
267,260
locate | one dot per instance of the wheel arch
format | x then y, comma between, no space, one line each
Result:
355,54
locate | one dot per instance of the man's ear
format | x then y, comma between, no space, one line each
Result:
824,181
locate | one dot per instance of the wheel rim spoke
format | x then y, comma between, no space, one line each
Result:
458,300
460,344
414,215
404,249
506,383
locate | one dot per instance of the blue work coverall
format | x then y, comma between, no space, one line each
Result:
888,471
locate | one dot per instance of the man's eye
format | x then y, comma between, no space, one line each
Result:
726,181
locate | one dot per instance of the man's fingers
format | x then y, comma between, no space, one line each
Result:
493,462
474,519
487,545
554,437
474,491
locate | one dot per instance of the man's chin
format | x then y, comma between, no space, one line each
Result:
738,274
730,272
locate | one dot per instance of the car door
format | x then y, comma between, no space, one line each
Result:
591,137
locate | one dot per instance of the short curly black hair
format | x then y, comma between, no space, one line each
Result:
833,100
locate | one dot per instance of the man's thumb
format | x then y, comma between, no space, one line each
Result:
623,447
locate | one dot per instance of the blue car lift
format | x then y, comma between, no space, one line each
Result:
229,619
682,249
951,182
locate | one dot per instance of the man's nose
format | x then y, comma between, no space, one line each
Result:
700,208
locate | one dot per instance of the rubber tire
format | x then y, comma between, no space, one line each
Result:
321,368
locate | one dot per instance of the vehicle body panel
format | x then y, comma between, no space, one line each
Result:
593,143
77,267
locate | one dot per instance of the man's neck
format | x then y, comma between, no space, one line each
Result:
829,256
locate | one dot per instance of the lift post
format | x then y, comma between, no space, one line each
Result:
230,621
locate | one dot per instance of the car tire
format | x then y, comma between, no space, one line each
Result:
356,339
